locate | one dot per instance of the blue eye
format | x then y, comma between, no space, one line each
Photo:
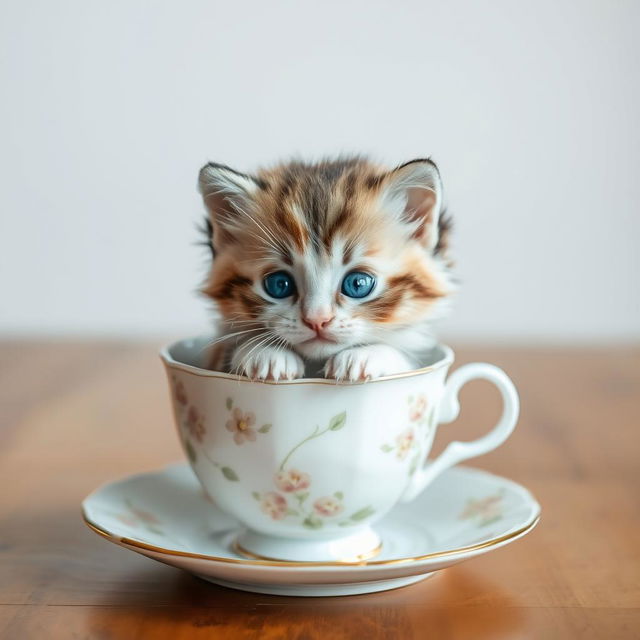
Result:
358,284
279,284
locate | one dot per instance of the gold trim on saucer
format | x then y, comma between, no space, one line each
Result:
287,563
361,558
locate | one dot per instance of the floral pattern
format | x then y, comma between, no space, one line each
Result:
484,510
421,418
405,443
292,480
292,498
240,424
139,518
189,418
274,505
290,495
195,423
417,407
328,506
180,393
191,428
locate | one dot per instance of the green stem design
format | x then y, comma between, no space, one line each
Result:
335,424
227,472
315,434
213,462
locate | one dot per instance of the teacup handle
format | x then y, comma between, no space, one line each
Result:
448,410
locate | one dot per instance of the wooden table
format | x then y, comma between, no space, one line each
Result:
76,415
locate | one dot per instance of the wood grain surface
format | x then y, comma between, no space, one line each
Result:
75,415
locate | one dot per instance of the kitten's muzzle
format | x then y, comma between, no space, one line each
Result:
318,322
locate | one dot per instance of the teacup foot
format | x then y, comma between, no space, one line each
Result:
357,547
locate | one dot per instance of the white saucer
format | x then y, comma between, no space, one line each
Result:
166,516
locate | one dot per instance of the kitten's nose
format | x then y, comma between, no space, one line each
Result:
318,321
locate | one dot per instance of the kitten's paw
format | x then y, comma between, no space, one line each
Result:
268,364
363,363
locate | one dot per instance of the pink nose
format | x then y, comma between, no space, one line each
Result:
317,322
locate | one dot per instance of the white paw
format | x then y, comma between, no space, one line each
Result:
363,363
269,363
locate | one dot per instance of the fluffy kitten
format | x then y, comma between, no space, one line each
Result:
339,265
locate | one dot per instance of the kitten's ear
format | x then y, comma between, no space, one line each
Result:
227,194
414,192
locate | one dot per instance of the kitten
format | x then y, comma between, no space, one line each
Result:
339,265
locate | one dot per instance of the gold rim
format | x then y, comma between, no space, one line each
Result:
359,559
171,363
270,563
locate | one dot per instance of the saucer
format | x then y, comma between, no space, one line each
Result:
166,516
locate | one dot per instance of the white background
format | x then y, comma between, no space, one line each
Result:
108,109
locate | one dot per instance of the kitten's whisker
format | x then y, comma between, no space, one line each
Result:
244,212
269,236
281,316
253,339
262,238
229,335
247,356
282,344
278,243
255,260
226,337
236,369
266,336
268,344
241,322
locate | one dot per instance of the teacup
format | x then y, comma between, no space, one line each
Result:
309,465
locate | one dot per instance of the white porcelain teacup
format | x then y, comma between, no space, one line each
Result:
309,465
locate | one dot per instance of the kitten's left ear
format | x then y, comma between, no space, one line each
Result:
414,191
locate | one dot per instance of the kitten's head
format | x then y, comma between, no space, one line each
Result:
328,255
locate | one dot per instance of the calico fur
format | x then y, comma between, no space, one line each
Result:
318,222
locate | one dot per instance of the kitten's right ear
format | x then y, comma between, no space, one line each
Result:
227,194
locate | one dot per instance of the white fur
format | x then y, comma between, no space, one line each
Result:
219,179
364,363
268,363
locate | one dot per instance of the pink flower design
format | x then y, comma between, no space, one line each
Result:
195,423
486,510
328,506
417,409
405,442
274,505
181,394
136,517
130,521
240,425
292,480
145,516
